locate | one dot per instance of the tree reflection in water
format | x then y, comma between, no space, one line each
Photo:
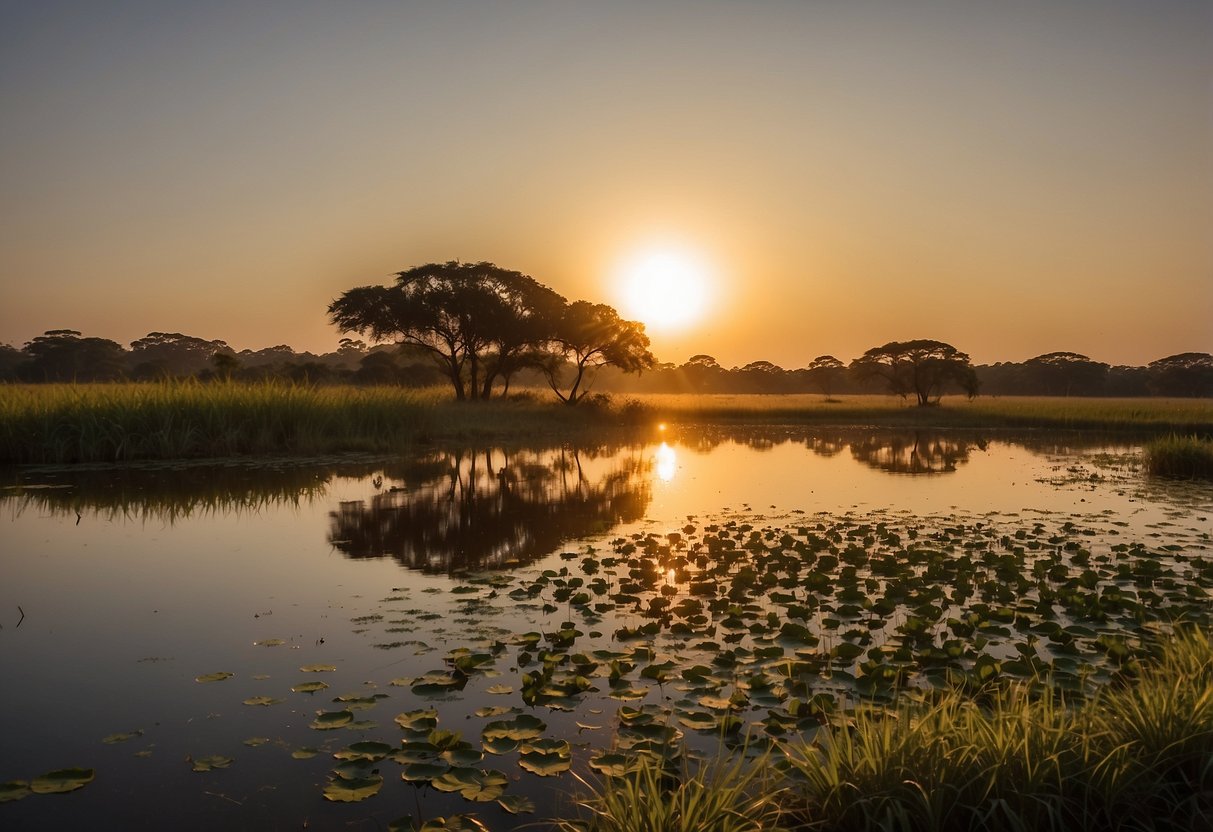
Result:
494,508
914,452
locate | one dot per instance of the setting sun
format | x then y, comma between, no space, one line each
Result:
665,288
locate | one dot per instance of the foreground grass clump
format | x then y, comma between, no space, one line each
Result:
1185,457
1139,756
719,798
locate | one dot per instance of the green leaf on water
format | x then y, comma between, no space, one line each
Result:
421,721
317,668
522,727
496,710
516,804
309,687
371,752
263,700
304,753
613,765
62,781
454,823
214,677
482,786
417,772
499,689
14,790
545,757
210,763
340,790
269,642
253,742
114,739
327,721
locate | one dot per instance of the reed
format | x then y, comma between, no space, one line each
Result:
1184,457
1133,757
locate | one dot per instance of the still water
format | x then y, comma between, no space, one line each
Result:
439,582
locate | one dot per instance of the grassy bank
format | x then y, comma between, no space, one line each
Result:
127,422
1184,457
1138,756
1193,416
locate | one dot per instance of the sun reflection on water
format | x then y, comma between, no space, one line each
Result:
667,462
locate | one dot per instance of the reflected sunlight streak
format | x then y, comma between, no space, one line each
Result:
667,463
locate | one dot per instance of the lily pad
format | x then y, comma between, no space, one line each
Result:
317,668
341,790
114,739
214,677
472,784
371,752
263,700
516,804
14,790
62,781
211,763
327,721
309,687
304,753
545,757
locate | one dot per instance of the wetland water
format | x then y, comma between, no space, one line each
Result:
333,625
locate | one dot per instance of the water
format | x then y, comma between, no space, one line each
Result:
121,587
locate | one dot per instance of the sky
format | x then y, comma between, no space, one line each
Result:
1011,178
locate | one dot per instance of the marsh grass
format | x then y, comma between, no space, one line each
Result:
62,423
715,797
189,420
1137,757
1152,416
1183,457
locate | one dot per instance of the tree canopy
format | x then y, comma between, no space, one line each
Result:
593,335
477,320
923,368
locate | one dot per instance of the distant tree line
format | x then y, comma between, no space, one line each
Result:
1052,374
572,348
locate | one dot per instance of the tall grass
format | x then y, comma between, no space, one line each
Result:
66,423
712,798
1149,415
93,423
1185,457
1136,757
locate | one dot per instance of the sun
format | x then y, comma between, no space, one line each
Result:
665,288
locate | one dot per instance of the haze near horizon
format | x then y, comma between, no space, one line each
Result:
763,181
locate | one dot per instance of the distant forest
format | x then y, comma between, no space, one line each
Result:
67,355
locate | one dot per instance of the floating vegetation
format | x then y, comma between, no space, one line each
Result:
305,687
214,677
211,763
114,739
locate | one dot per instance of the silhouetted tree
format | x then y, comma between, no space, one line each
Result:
478,321
702,372
1065,374
923,368
63,355
825,372
225,364
1183,374
592,335
11,359
171,354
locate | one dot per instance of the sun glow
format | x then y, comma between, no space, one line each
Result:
665,288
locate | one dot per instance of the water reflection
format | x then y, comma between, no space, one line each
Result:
916,452
494,508
667,462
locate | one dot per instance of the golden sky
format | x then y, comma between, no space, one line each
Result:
1013,178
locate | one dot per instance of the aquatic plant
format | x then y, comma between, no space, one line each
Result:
1184,457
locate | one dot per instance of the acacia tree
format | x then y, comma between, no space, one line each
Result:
1184,374
1065,374
922,367
477,321
63,355
589,336
825,371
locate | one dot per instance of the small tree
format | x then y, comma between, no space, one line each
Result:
592,335
924,368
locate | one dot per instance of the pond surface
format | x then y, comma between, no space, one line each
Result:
562,610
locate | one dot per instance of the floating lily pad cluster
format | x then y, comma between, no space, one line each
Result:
747,632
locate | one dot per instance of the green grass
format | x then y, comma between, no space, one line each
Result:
1141,415
190,420
1185,457
723,797
65,423
1133,757
1138,756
